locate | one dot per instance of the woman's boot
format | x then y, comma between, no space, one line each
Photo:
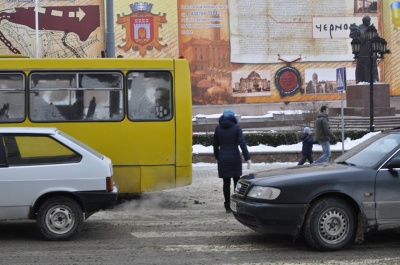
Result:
227,207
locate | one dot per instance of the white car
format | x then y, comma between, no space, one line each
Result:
49,176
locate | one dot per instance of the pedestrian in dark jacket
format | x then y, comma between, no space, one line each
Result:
324,135
307,148
227,137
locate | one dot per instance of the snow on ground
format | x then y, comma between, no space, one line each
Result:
346,145
269,114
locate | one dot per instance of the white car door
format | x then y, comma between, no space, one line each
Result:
34,170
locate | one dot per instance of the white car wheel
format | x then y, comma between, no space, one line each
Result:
59,218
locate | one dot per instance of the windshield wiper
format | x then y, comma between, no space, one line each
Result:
345,163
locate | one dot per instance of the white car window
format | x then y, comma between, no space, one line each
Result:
28,150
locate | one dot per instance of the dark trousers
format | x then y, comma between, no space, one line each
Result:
227,187
304,158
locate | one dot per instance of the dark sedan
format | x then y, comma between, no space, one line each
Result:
330,203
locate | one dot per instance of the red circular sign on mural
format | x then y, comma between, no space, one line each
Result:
287,80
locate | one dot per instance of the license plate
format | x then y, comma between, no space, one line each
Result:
233,206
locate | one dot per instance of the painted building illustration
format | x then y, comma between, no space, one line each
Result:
252,83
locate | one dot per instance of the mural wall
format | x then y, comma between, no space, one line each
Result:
240,51
65,28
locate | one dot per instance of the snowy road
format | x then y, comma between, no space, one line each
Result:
186,225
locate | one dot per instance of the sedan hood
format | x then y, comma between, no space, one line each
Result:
301,184
300,172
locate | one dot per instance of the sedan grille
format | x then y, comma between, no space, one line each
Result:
241,188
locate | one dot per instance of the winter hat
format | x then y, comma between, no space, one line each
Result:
229,112
307,130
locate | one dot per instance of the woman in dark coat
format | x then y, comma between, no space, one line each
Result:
227,137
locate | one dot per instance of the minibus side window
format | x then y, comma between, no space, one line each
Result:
76,96
12,97
149,96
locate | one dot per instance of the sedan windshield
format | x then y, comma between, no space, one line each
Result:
371,151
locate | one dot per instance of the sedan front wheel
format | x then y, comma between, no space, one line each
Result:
330,224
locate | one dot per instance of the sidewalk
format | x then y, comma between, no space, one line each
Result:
203,170
266,157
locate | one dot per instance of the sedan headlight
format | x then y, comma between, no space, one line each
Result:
266,193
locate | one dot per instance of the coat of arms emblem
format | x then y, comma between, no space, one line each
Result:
141,28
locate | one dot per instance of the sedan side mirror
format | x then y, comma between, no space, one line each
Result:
394,163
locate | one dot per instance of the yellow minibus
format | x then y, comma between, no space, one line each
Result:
138,112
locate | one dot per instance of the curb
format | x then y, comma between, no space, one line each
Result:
264,157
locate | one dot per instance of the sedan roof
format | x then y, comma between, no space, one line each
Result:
33,130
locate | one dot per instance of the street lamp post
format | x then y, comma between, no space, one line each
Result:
378,48
372,39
